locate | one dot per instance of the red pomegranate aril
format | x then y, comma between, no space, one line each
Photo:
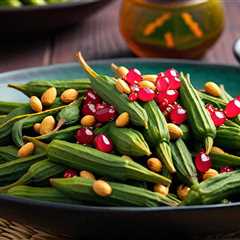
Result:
218,118
69,173
84,136
172,95
171,73
134,88
173,76
91,97
101,105
210,108
162,84
133,76
146,94
233,108
103,143
133,97
105,114
89,109
178,115
163,104
225,169
202,162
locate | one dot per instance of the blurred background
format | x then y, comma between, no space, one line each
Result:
98,34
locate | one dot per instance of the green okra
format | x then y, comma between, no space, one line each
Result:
10,3
86,158
79,188
38,87
7,107
8,153
39,193
183,162
215,101
104,86
127,141
215,189
157,134
11,171
224,159
28,122
228,137
37,172
202,125
186,132
34,2
67,134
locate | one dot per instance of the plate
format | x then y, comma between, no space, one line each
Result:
118,222
45,18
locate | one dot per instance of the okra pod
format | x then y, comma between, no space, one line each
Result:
183,162
215,189
39,193
104,86
8,153
157,134
215,101
127,141
79,188
202,125
225,159
7,107
38,87
86,158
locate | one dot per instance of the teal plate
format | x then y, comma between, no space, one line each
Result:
123,222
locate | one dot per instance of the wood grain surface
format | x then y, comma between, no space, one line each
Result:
98,37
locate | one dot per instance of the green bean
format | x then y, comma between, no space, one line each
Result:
79,188
38,172
39,193
37,87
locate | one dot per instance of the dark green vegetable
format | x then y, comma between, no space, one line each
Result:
67,134
39,193
157,134
217,102
215,189
38,172
186,132
228,137
127,141
183,162
37,87
224,159
200,120
122,195
86,158
10,3
34,2
11,171
8,153
7,107
28,122
105,88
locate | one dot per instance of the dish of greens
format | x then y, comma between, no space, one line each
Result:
125,139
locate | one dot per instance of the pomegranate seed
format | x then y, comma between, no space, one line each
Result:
134,88
91,97
105,114
133,97
103,143
225,169
101,106
232,108
89,109
210,108
172,95
218,118
178,115
202,161
84,136
146,94
70,173
173,76
133,76
162,84
163,104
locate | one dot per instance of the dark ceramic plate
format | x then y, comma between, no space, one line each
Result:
46,18
128,222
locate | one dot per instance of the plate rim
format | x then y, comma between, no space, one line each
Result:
79,207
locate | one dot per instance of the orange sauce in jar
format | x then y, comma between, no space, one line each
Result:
171,28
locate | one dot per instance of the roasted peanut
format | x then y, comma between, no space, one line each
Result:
26,150
120,71
217,150
47,125
161,189
102,188
69,95
175,132
210,173
154,164
182,191
36,127
147,84
35,104
87,175
49,96
150,77
212,89
122,120
122,86
88,121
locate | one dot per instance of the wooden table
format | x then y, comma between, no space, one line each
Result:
99,37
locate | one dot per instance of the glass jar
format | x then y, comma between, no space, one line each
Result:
171,28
